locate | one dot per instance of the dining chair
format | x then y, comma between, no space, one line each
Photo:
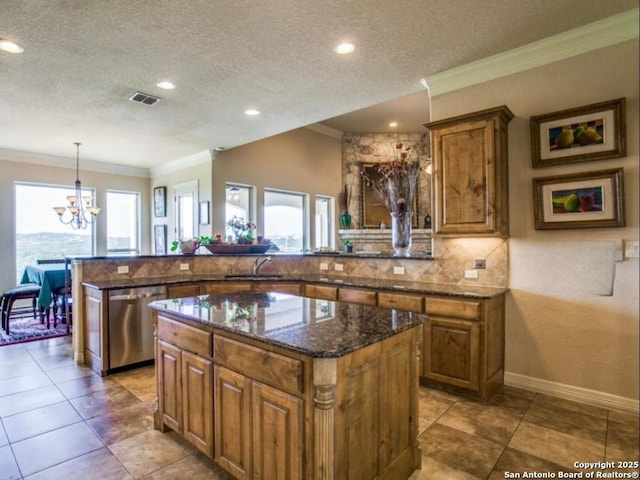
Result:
24,291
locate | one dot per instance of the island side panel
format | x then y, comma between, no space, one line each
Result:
377,405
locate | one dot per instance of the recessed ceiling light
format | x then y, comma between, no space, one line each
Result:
393,124
9,46
344,48
252,112
166,85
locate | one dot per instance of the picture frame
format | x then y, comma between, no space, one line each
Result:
160,239
160,201
581,134
373,211
579,200
204,213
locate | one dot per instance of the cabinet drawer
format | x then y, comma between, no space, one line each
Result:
184,290
401,301
225,287
452,308
261,365
355,295
184,336
321,291
281,287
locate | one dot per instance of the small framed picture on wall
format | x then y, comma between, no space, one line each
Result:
160,239
160,201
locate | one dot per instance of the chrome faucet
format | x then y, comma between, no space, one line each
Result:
258,263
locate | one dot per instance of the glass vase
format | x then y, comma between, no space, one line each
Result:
345,220
401,233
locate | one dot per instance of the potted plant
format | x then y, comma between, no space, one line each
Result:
187,246
348,246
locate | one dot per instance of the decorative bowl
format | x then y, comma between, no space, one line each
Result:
226,248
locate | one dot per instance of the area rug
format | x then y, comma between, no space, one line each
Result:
26,329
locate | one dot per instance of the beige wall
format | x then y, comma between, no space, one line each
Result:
300,160
572,315
13,171
200,173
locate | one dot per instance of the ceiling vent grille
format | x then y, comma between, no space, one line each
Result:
144,98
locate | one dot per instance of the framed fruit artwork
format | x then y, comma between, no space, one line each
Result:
579,200
592,132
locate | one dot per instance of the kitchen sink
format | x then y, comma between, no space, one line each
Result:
253,277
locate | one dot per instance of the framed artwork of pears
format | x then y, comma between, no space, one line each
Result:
581,134
579,200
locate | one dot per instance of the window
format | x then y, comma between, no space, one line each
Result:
284,219
39,232
239,204
186,210
324,236
123,223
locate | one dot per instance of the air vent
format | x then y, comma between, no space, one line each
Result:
144,98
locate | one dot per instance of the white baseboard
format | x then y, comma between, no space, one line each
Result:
569,392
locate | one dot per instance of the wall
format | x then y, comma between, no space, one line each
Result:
48,173
570,328
301,160
197,168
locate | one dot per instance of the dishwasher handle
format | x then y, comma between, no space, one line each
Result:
136,296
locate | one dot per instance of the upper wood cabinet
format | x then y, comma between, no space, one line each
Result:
470,174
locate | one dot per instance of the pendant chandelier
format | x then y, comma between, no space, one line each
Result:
83,213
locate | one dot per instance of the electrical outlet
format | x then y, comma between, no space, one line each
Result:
338,267
470,274
398,270
479,264
324,266
123,268
184,266
631,249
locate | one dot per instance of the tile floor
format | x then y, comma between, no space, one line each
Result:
59,420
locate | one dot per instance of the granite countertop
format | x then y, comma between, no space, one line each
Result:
315,328
426,288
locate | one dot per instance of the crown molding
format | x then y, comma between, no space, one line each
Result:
65,162
593,36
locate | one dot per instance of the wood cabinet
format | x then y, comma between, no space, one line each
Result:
470,174
401,301
258,428
224,287
178,290
96,314
362,296
185,382
325,292
464,345
276,413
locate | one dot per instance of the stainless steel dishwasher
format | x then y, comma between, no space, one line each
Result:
130,328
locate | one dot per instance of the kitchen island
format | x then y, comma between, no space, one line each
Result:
272,385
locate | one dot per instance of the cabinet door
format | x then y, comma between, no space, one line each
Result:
464,178
169,391
197,401
233,422
277,434
471,173
451,352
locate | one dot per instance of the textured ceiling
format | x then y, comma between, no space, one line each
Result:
83,59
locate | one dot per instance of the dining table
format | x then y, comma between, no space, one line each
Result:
50,277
